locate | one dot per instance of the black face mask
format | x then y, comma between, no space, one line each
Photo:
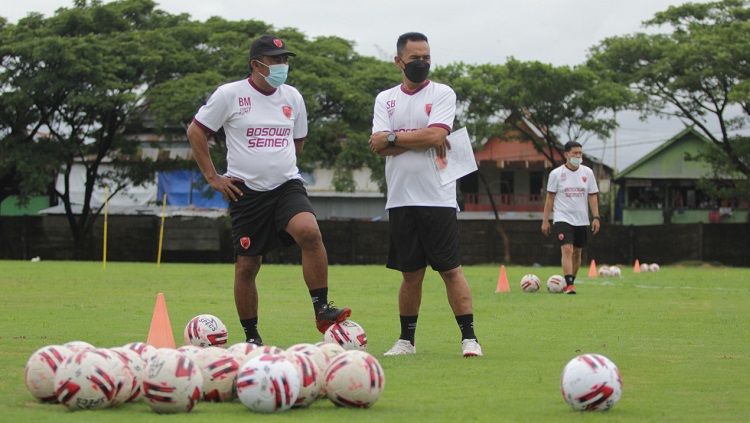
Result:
416,71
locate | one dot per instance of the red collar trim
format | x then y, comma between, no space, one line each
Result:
418,89
259,89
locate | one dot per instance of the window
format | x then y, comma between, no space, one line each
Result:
507,182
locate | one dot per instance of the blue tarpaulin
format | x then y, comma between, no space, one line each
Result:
188,188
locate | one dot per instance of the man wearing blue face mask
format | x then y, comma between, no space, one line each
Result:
265,124
571,191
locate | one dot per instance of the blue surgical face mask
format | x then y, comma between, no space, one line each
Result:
575,161
277,74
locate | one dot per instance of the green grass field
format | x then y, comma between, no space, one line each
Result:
681,338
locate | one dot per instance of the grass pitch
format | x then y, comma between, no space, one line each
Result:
681,338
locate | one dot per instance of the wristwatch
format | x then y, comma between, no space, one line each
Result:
391,138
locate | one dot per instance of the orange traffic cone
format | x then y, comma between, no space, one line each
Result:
160,333
502,281
592,269
637,266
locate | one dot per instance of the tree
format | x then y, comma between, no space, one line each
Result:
698,72
549,104
72,85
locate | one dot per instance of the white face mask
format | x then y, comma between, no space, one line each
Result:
575,161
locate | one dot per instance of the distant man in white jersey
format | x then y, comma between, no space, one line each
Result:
571,190
410,125
265,124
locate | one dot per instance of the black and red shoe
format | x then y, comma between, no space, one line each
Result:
329,315
569,289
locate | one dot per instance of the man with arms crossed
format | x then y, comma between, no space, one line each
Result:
265,123
572,189
410,120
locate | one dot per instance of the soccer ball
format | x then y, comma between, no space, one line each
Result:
41,368
330,350
615,271
127,382
241,351
172,382
653,267
605,271
143,349
88,379
264,350
190,351
530,283
310,378
314,352
348,334
136,365
219,368
268,383
76,346
555,284
205,330
354,379
591,382
644,267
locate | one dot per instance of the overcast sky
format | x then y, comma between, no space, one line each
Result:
553,31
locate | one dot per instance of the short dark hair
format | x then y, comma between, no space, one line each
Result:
409,36
571,145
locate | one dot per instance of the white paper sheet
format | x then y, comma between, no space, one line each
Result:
459,160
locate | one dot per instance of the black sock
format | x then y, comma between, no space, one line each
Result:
250,326
466,324
569,279
408,328
319,298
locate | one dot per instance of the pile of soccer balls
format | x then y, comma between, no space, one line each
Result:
264,378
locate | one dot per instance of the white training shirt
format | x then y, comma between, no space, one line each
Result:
411,177
572,189
260,128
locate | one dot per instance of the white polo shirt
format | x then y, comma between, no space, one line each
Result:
411,176
260,128
572,189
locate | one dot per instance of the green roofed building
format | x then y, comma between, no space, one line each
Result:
662,187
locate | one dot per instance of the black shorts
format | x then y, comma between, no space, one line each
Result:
259,218
421,236
569,234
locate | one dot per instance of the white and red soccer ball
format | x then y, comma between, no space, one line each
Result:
219,369
530,283
348,334
310,378
41,369
591,382
268,383
206,330
555,284
172,382
89,379
354,379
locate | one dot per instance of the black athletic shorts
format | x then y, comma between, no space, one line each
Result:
569,234
421,236
259,218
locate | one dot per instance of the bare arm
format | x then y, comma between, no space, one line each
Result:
391,151
299,145
199,146
594,206
421,139
548,202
